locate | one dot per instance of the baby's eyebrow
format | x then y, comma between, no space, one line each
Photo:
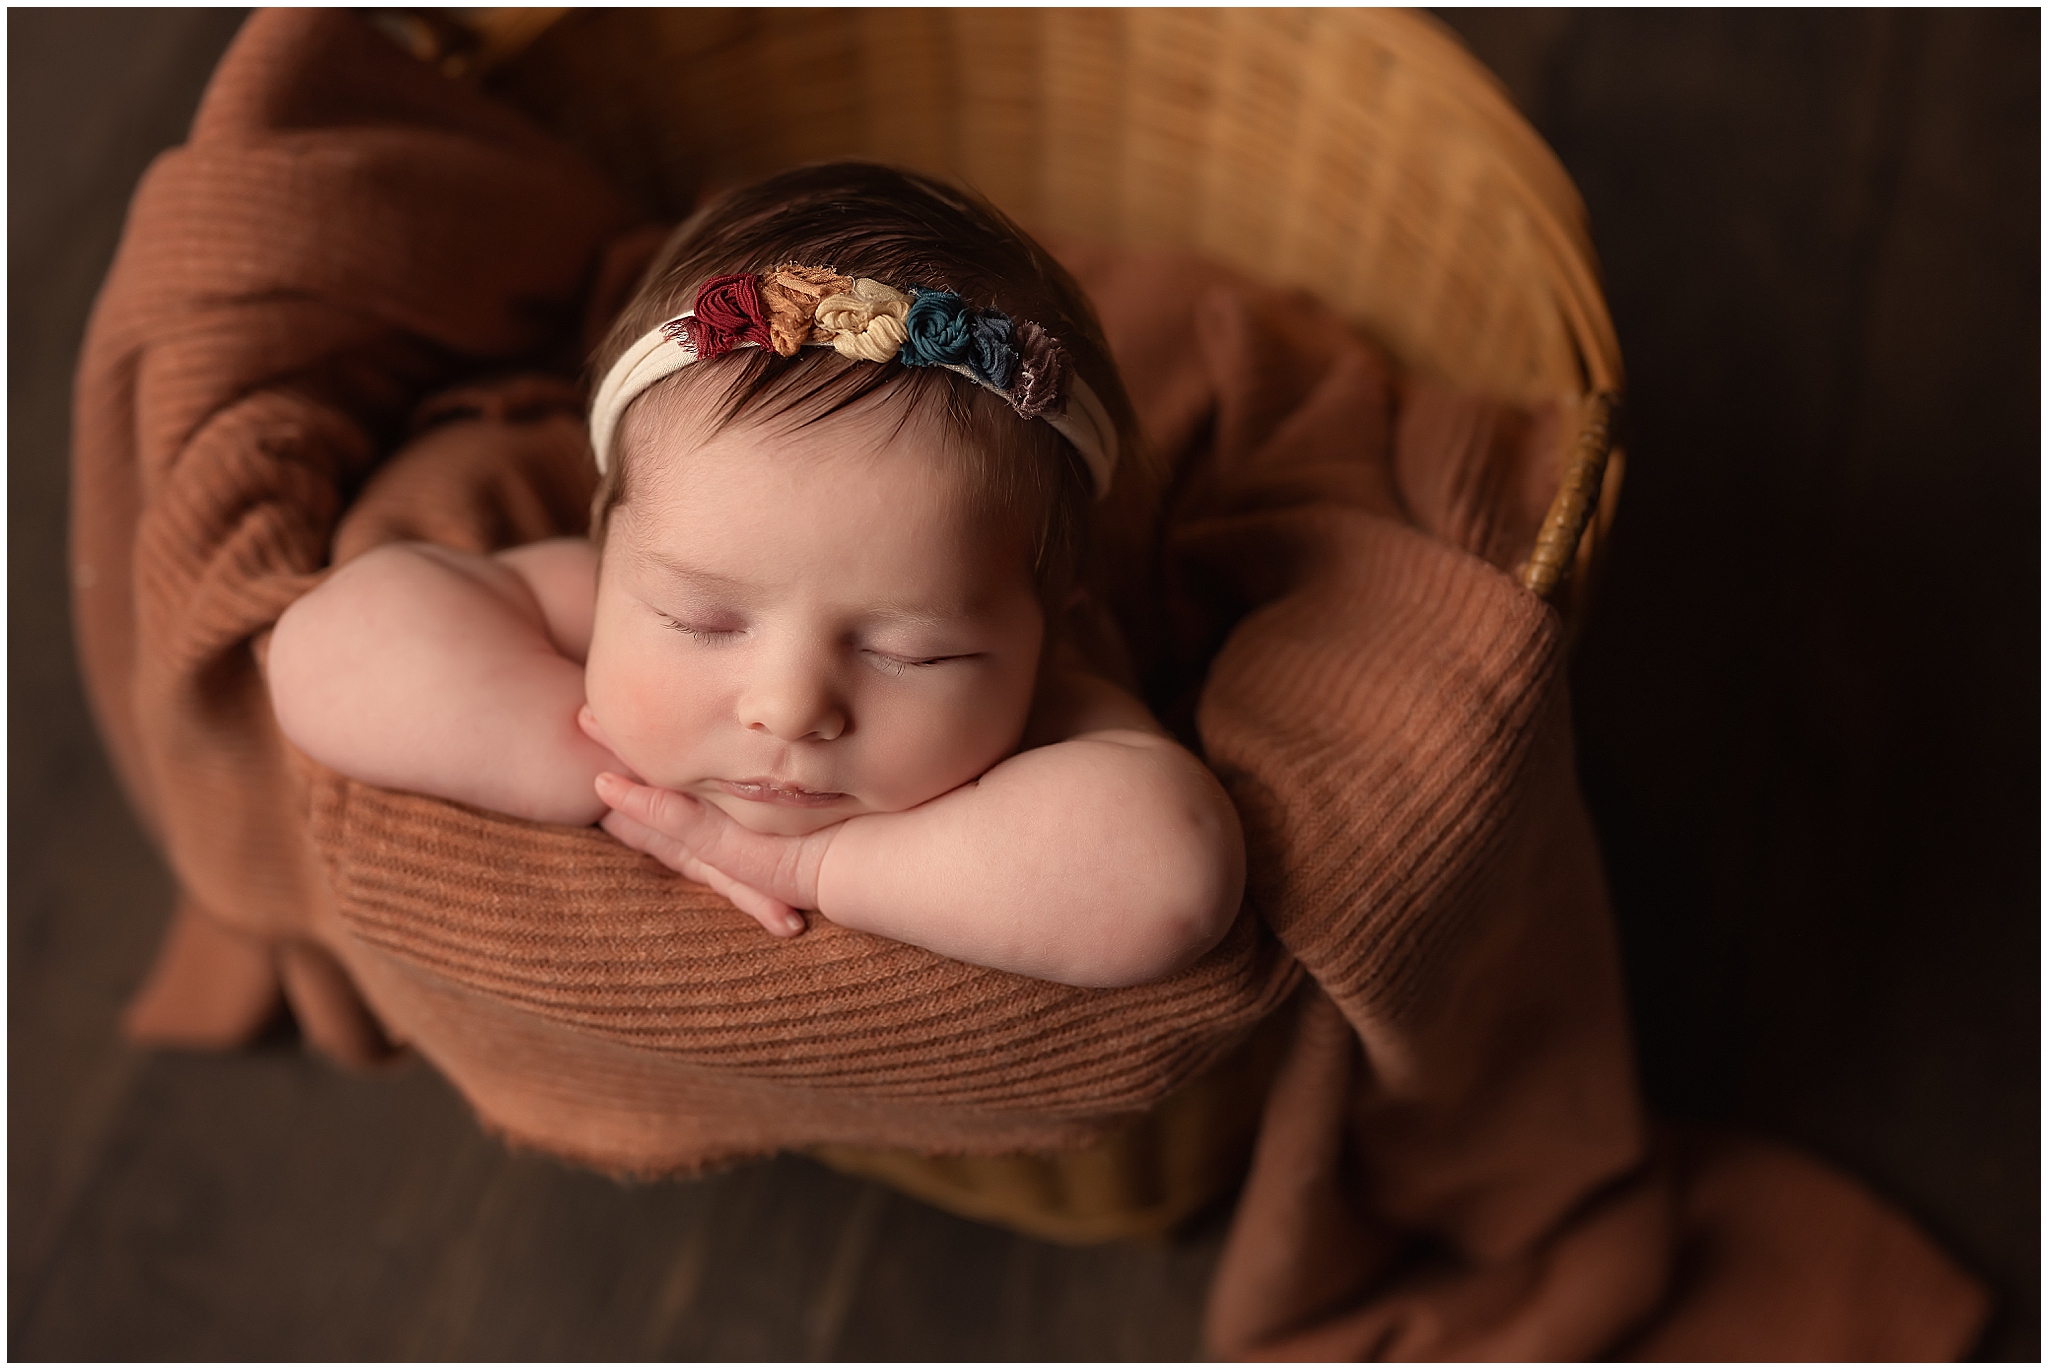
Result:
895,612
696,575
915,616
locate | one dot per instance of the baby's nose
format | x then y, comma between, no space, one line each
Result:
793,705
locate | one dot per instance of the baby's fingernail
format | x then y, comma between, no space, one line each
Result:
609,784
794,922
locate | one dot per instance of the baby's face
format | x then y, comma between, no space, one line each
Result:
800,625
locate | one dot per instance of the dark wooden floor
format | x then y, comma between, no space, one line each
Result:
1809,728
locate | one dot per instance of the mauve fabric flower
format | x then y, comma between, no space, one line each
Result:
994,359
941,329
1041,372
729,312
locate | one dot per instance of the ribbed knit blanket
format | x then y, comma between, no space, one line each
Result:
353,309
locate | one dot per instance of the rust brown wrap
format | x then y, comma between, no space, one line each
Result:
346,312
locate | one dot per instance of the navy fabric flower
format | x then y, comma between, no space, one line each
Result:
941,328
994,359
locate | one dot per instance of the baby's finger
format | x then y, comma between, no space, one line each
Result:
666,811
786,867
777,917
642,838
771,913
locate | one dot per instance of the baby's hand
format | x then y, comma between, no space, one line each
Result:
766,876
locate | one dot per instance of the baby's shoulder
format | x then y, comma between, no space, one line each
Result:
568,561
561,574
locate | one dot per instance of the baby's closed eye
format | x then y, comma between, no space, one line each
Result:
891,664
700,632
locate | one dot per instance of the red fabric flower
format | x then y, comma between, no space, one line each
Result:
730,312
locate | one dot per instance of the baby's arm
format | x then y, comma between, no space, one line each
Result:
418,668
1110,857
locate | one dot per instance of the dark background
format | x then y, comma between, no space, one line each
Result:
1808,709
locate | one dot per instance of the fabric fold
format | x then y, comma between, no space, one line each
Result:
354,309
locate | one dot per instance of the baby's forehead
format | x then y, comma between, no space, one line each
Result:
735,533
901,463
883,487
879,471
698,403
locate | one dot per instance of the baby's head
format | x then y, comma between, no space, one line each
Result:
827,581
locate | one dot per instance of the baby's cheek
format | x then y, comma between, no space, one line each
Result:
624,709
964,740
663,722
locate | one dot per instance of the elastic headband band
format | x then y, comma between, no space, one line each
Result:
804,306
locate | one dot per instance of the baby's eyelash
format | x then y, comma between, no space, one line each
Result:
697,634
892,665
896,665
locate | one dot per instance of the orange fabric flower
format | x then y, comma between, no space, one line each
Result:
791,294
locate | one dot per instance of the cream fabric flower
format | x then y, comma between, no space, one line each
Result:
866,323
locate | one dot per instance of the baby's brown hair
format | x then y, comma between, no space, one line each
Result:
905,230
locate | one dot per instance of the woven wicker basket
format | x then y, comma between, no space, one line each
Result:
1360,154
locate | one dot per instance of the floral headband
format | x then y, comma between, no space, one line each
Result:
807,306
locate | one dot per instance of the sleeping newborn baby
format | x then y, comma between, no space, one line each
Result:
812,655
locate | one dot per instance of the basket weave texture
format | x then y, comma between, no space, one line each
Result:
1361,155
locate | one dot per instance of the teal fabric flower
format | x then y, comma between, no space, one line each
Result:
941,328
